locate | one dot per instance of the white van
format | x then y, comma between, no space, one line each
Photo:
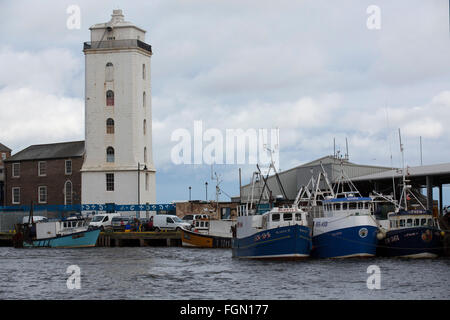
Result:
103,220
169,222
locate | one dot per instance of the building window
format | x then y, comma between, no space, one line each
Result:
144,100
145,126
42,197
15,195
109,98
3,156
68,166
42,168
110,154
68,193
109,72
110,182
143,71
110,126
16,170
145,154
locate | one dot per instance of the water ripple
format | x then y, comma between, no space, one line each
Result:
180,273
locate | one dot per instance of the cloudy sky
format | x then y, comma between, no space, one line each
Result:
311,68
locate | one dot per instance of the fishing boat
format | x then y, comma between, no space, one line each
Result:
412,230
265,232
281,233
64,233
347,227
411,234
208,233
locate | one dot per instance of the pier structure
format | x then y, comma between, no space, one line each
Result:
121,239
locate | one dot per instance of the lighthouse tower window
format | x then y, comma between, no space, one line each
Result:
109,98
110,126
109,72
110,154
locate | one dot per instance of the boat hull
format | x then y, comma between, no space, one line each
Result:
77,240
199,240
420,242
290,242
350,242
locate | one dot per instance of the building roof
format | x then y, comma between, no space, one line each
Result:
50,151
117,21
4,148
420,171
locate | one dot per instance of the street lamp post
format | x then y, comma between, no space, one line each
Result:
206,185
190,193
138,213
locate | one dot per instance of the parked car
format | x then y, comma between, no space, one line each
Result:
103,221
190,218
169,222
147,224
120,223
35,219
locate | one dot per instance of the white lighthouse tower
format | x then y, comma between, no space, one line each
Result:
118,166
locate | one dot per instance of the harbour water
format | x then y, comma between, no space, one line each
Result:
177,273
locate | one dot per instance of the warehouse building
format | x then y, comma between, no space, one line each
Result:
293,179
366,178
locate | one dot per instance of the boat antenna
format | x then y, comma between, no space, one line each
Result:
346,146
421,161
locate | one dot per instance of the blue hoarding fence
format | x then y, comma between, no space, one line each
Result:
93,207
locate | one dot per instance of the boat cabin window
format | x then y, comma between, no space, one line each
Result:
298,217
402,223
344,206
276,217
416,222
352,206
287,217
423,221
409,223
360,205
206,224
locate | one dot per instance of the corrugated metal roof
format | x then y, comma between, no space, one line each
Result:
430,170
50,151
4,148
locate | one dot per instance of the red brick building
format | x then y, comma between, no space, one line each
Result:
46,174
5,153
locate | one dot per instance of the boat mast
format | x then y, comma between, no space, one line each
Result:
403,170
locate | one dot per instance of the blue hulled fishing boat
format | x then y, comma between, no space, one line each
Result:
281,233
411,234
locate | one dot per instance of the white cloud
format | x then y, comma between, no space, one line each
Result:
30,116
